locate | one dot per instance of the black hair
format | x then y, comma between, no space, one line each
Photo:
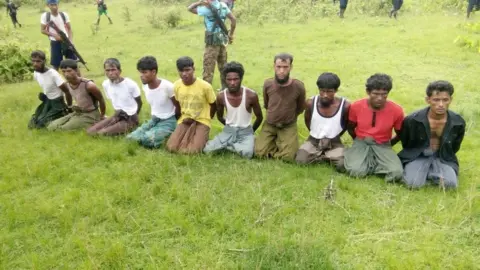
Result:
283,57
235,67
379,81
113,62
440,86
38,54
69,63
184,62
328,80
147,63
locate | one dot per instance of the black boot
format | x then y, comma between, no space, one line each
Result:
110,20
340,14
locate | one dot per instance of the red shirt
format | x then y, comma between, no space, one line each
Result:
386,119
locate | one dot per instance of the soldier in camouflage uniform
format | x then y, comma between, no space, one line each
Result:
215,39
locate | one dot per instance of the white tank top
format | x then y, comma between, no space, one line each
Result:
238,116
326,127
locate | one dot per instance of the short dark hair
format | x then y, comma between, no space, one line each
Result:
235,67
328,80
113,62
184,61
147,63
38,54
284,57
379,81
69,63
440,86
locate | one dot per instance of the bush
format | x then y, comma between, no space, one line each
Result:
471,40
14,57
173,18
154,20
14,63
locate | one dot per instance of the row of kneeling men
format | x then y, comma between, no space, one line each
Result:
182,112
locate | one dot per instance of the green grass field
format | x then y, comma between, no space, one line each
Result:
68,201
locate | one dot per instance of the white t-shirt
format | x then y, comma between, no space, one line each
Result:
58,22
50,81
159,99
123,95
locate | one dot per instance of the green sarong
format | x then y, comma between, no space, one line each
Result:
75,121
47,111
367,157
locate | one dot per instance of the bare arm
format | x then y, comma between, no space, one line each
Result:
93,89
193,7
346,109
308,113
69,31
398,128
220,108
178,111
351,129
68,96
257,110
213,109
139,103
233,25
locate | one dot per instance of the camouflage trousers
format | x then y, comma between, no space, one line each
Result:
214,54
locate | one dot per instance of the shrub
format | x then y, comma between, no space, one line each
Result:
471,40
154,20
172,18
14,57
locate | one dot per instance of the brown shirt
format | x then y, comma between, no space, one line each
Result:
283,103
81,96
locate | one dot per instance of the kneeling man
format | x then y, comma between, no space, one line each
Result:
197,108
370,123
431,138
126,101
88,99
284,100
238,133
326,116
52,98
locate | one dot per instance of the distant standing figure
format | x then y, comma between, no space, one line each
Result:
343,7
102,9
62,21
472,4
215,40
12,11
397,5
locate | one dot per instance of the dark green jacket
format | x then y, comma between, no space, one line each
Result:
415,137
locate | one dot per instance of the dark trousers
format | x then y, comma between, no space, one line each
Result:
57,52
473,4
397,4
13,16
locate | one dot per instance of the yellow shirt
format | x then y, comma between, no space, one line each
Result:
195,100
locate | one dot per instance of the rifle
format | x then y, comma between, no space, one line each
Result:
218,20
68,43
